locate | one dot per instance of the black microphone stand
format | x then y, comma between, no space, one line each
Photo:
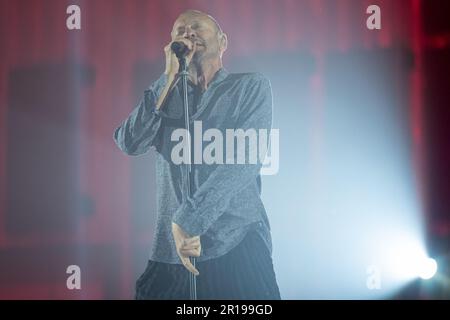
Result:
183,74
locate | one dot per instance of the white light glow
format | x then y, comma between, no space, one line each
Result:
428,268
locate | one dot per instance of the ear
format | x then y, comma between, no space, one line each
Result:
223,42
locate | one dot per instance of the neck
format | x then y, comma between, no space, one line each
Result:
202,73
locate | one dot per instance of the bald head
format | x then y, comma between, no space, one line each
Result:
200,14
203,30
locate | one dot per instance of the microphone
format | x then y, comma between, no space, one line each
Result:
180,49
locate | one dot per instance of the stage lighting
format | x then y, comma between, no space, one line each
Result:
427,268
409,259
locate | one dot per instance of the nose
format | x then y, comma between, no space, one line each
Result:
189,33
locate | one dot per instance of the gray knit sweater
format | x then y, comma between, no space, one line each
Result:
225,201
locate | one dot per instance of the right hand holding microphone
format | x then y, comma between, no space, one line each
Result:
172,64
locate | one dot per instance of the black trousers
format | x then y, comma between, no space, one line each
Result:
244,273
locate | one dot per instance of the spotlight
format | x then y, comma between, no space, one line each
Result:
427,268
408,260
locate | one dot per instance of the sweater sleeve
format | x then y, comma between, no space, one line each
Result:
139,131
211,199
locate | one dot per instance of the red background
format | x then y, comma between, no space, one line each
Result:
117,37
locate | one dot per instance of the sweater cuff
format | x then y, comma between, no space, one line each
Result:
188,219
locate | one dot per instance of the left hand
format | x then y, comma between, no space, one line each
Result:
186,247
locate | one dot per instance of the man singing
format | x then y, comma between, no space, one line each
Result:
223,223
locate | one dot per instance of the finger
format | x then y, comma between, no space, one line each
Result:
190,246
193,240
168,51
191,252
188,265
194,243
190,241
173,57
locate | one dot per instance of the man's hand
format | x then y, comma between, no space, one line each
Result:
186,247
172,64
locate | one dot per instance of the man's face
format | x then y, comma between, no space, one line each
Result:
200,30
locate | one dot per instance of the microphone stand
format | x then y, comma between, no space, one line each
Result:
183,74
